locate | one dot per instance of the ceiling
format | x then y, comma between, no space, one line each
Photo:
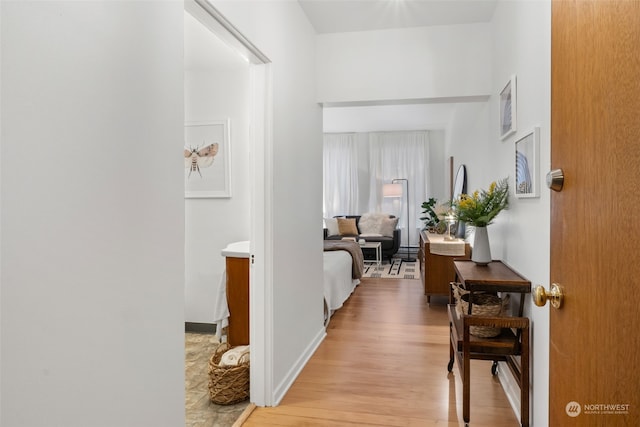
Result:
204,51
335,16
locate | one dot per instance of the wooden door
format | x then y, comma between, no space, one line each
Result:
595,220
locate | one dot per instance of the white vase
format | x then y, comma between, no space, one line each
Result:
481,253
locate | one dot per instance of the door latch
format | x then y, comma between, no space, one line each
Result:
555,179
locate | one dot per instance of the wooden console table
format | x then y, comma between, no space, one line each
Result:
437,269
513,340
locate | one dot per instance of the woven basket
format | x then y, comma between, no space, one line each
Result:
227,384
483,305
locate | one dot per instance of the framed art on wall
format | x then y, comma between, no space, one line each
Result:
207,159
508,108
526,165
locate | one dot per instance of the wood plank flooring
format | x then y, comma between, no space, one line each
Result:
384,363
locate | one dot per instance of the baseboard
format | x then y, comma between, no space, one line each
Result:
200,328
404,253
297,367
244,416
510,387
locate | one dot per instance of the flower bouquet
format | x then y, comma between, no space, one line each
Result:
479,210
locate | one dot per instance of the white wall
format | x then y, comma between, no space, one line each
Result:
92,214
1,219
381,118
467,140
211,224
528,55
283,33
438,166
425,62
520,236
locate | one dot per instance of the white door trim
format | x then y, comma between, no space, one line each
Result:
261,273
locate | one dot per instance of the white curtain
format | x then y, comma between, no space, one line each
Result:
400,155
340,183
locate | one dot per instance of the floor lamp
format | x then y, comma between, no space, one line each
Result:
395,190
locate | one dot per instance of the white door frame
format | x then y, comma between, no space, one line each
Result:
261,234
261,273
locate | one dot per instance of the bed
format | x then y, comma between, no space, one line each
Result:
343,267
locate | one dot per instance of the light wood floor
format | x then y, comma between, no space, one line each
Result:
384,363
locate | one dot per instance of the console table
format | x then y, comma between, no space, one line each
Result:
436,266
513,340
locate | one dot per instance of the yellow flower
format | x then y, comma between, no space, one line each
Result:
481,207
467,202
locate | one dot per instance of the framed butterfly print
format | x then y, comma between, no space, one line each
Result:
207,159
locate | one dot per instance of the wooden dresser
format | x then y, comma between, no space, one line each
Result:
237,256
238,300
437,270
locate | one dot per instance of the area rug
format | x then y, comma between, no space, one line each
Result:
200,411
396,269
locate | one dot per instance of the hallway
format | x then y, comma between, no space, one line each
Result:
383,363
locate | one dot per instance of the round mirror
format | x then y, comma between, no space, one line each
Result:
460,187
460,183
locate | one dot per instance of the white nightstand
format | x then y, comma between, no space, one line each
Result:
373,245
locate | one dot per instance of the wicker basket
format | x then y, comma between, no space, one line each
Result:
483,305
227,384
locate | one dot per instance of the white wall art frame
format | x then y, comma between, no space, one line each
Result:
207,159
508,108
526,165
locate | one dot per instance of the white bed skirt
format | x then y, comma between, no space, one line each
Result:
338,284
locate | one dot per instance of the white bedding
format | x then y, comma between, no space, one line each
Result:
338,284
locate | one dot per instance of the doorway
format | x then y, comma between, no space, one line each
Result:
254,195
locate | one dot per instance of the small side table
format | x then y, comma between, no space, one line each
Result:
511,344
377,246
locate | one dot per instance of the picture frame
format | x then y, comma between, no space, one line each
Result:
526,177
508,104
207,159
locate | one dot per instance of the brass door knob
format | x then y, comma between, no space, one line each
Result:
555,295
